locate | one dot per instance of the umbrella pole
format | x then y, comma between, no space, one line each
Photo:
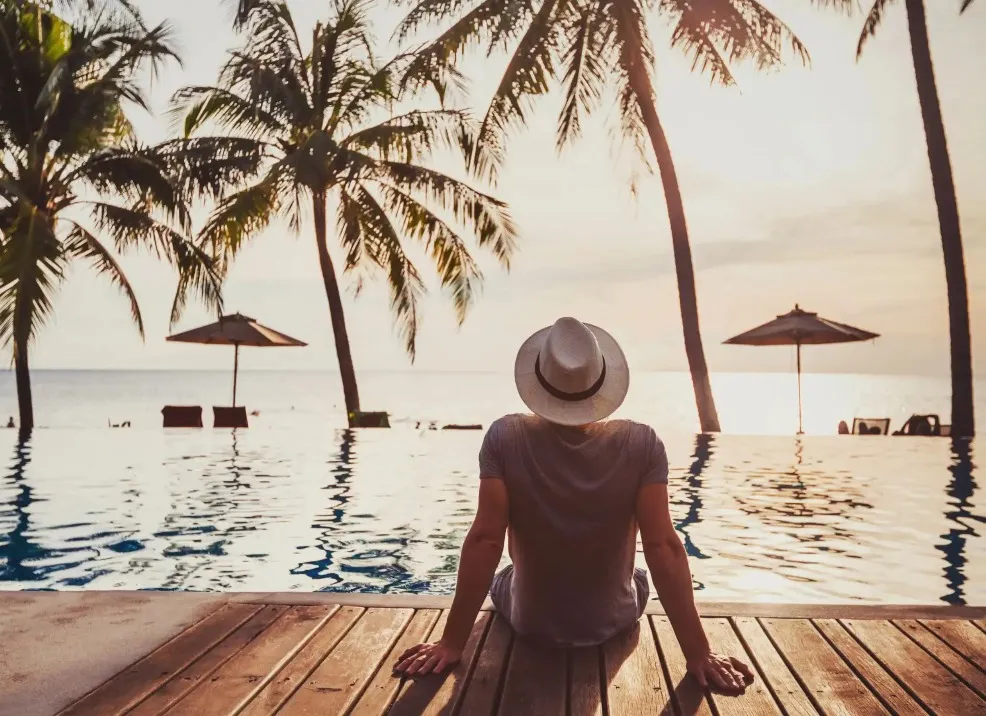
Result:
800,412
236,368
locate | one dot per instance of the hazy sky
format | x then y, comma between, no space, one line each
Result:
804,185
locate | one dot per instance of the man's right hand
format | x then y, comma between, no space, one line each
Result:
724,673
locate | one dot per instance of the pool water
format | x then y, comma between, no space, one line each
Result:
814,519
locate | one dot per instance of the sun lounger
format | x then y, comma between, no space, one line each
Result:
923,426
229,417
870,426
182,416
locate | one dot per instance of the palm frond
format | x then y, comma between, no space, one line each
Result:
32,265
209,167
240,216
873,20
434,64
485,216
584,78
415,135
364,222
192,107
457,270
528,74
633,54
81,244
137,174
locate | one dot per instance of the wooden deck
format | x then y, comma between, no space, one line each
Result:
250,658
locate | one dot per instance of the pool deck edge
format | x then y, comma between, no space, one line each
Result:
55,647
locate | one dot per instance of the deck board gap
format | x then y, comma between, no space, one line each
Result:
301,680
156,652
790,666
859,675
663,659
501,678
976,690
285,660
761,672
358,693
471,668
886,667
603,680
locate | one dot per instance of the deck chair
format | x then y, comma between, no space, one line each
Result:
229,417
870,426
922,425
182,416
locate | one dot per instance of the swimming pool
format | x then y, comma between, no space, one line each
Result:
817,519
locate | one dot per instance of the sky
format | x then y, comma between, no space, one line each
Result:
807,185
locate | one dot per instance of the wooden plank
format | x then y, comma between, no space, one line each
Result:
777,676
956,663
269,697
584,671
924,677
707,608
136,682
187,679
535,684
484,686
831,611
686,693
828,679
385,684
341,677
962,636
756,700
886,687
634,678
434,696
254,664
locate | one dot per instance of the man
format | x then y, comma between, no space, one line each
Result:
572,488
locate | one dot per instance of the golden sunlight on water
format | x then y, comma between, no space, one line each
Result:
814,519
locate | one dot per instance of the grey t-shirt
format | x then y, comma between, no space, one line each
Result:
572,526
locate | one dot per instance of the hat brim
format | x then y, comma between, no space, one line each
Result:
566,412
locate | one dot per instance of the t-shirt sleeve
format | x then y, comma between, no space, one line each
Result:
655,459
490,454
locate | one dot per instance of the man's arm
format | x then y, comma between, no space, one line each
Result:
668,565
481,552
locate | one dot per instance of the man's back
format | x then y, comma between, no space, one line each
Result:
572,532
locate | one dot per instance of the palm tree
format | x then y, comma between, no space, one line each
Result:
71,169
592,45
963,419
297,132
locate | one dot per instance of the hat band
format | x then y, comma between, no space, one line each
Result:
563,395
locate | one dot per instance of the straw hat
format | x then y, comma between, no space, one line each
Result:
572,373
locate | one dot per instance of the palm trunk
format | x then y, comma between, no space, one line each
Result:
963,421
22,375
339,333
708,417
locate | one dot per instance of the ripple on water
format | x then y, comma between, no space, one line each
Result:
773,519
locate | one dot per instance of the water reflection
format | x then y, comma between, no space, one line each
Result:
19,548
960,491
813,520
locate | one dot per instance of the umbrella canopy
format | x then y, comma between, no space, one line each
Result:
798,328
237,330
801,328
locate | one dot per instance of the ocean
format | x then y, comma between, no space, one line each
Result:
748,403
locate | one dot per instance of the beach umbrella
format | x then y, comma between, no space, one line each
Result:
237,330
799,328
